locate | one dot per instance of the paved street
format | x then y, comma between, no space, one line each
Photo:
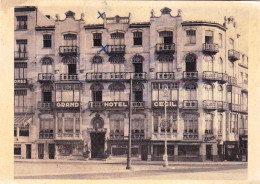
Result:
115,169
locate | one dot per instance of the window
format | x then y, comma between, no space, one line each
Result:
208,92
117,38
46,66
137,126
208,63
21,47
220,92
191,37
24,131
97,96
17,149
220,123
21,22
97,39
158,117
20,100
166,37
220,40
231,43
47,41
117,63
158,150
70,39
117,91
158,91
209,124
46,126
97,63
190,63
68,92
166,63
188,150
138,63
191,92
209,37
116,122
190,123
137,38
15,131
233,123
20,70
231,68
220,65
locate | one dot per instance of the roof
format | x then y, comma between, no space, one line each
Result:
94,26
24,8
140,24
43,21
203,23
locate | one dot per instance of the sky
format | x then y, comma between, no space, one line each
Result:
140,12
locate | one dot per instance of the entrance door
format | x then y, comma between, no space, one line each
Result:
144,152
28,151
97,144
40,151
208,152
51,149
138,67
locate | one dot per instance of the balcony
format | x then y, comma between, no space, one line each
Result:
233,55
139,76
108,105
244,109
135,134
68,77
117,20
190,75
18,55
222,106
165,75
69,50
95,106
234,107
190,104
115,49
45,105
23,109
116,135
68,136
138,105
212,76
46,134
190,136
223,78
210,48
232,80
209,105
115,76
165,48
45,77
243,131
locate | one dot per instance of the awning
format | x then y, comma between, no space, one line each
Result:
22,120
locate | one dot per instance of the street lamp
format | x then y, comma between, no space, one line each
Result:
165,91
128,160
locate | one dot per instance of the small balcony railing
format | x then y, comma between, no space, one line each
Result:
232,80
68,77
23,109
138,105
223,78
234,107
190,136
243,131
46,134
211,48
117,20
139,76
69,50
190,75
137,134
222,106
45,77
68,135
115,76
95,106
163,47
210,75
233,55
165,75
116,135
209,104
115,49
19,55
190,104
45,105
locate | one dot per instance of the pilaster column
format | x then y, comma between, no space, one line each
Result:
74,125
62,125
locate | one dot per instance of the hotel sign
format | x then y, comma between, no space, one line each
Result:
91,130
115,104
67,105
161,104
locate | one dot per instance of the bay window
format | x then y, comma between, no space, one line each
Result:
68,92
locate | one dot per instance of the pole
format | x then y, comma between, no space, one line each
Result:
165,127
128,166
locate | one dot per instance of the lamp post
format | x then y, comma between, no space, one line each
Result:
128,165
165,90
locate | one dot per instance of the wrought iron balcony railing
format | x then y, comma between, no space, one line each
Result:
137,135
190,104
69,50
115,49
115,76
95,106
45,77
222,106
210,104
163,47
68,77
20,55
190,75
211,48
45,105
46,134
233,55
116,135
138,104
190,136
165,75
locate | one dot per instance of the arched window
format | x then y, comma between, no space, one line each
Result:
220,66
117,63
231,43
46,66
208,63
71,63
117,91
208,92
231,68
137,127
116,122
209,124
166,37
165,63
220,92
96,89
97,123
138,92
138,63
97,63
191,63
191,92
